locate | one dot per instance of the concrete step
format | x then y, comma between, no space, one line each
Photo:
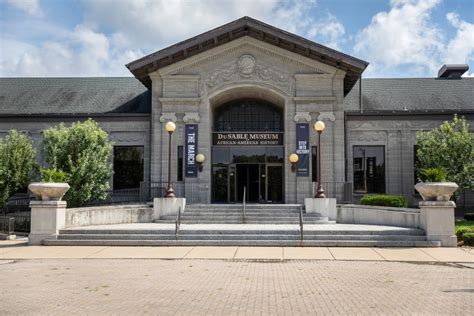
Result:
239,221
247,217
218,237
224,231
276,243
239,206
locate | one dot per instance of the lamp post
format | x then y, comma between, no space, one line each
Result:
293,158
319,128
170,127
200,159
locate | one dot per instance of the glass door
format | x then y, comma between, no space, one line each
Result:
274,183
220,184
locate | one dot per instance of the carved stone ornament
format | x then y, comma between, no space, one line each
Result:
302,117
326,116
190,118
247,67
167,117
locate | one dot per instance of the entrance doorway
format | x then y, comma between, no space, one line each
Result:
263,183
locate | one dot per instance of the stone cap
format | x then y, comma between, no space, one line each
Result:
39,203
436,204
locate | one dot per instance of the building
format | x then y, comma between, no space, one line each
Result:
246,95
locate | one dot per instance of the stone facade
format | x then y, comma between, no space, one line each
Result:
189,91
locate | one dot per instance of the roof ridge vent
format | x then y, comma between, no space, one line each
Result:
452,71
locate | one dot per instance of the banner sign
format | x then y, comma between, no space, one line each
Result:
247,139
191,138
302,149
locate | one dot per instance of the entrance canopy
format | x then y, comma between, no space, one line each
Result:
247,26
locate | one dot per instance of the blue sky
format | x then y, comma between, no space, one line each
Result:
399,38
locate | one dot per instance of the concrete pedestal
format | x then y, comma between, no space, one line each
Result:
167,206
326,207
437,219
47,218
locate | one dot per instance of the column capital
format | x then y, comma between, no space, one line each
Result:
168,117
191,117
302,117
326,116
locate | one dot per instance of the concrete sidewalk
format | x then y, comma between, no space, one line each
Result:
457,255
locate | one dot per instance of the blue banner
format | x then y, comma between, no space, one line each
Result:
302,149
191,138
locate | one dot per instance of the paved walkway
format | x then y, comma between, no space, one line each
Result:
464,255
204,287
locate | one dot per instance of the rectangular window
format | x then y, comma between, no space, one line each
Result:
314,163
416,168
369,169
180,168
128,167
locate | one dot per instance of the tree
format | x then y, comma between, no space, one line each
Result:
451,147
83,153
17,162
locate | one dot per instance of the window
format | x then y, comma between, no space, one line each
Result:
314,163
180,163
369,169
248,115
128,167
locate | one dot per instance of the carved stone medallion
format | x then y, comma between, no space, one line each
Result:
246,65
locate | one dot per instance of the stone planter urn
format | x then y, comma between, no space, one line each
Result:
49,191
436,191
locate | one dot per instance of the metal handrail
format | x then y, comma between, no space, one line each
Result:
301,224
243,205
177,223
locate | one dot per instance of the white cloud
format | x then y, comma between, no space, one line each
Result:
460,49
329,31
403,36
83,52
31,7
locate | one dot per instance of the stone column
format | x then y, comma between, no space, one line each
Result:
437,219
47,218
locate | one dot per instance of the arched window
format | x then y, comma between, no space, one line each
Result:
248,115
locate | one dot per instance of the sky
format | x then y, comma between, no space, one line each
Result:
75,38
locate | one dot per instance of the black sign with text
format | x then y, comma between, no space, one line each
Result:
302,149
247,139
191,132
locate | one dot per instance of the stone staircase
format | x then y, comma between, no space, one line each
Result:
222,225
254,214
244,235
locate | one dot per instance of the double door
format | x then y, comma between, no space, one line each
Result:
263,183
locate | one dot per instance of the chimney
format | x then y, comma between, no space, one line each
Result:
452,71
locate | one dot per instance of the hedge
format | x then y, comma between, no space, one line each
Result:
468,239
384,200
469,216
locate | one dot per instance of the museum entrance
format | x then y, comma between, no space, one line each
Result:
263,183
247,153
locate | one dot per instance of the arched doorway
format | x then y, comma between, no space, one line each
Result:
247,152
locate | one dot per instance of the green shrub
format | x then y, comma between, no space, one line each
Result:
17,164
469,216
468,238
384,200
83,152
52,175
433,175
461,231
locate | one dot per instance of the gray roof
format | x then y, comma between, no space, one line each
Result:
412,95
247,26
73,96
53,96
